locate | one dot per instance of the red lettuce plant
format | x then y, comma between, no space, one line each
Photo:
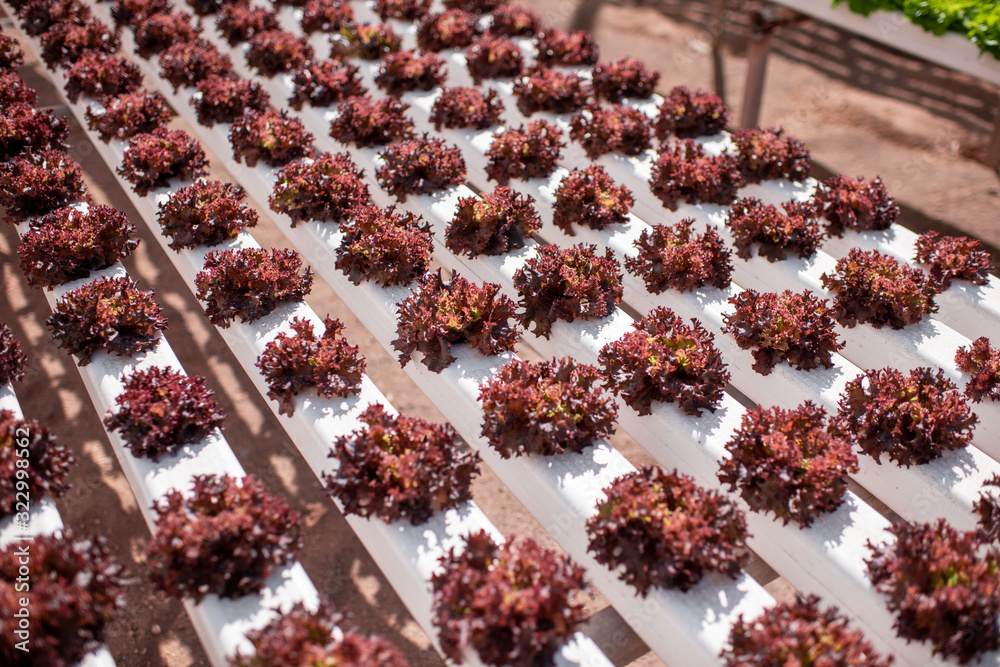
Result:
952,257
186,63
223,99
492,224
789,462
272,137
157,32
559,49
794,327
514,21
545,408
528,151
673,257
402,10
406,71
66,42
611,129
365,121
799,633
23,128
37,16
366,41
766,154
238,22
39,182
566,284
982,362
109,314
544,89
43,472
128,115
877,289
328,189
325,83
665,531
250,283
912,420
684,172
420,166
275,52
127,13
942,584
225,537
325,16
299,634
440,314
515,603
151,160
987,507
663,359
100,76
384,246
401,468
450,29
293,362
625,77
11,55
775,234
474,6
160,410
492,57
12,358
466,108
854,204
590,198
76,591
686,114
205,213
13,90
69,244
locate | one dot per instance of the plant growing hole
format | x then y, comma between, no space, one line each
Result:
401,468
492,224
877,289
328,189
515,604
384,246
566,284
545,408
205,213
109,314
225,537
674,257
663,359
160,410
69,244
792,327
440,314
665,531
793,463
250,283
294,362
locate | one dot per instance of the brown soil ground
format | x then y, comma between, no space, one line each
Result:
861,109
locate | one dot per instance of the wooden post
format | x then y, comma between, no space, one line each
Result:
757,50
993,152
718,29
763,23
585,14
